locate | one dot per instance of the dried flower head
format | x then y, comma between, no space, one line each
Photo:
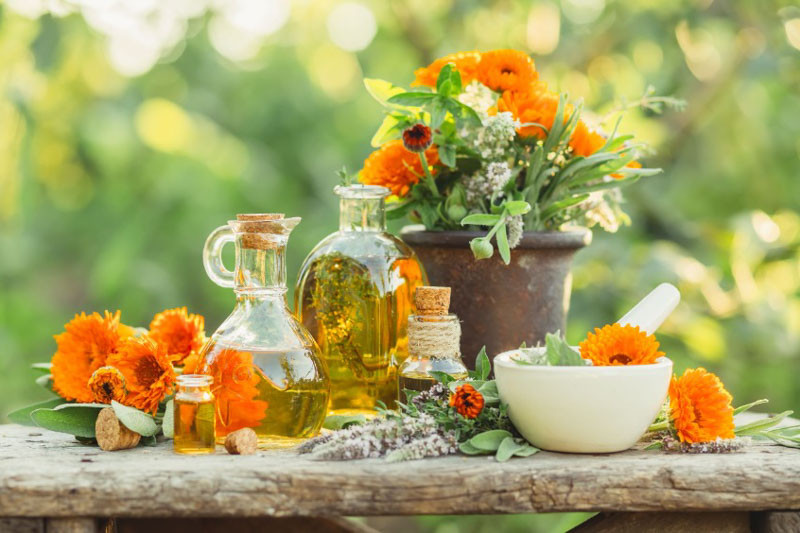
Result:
396,168
466,63
467,401
148,372
615,345
700,407
507,70
107,383
181,333
417,138
85,345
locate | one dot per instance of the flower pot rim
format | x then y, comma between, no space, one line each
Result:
573,238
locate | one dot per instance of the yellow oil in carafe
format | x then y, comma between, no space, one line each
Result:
281,395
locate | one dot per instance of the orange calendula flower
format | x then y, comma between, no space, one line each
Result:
615,345
180,332
235,389
537,108
85,345
396,168
466,63
148,372
107,383
467,401
585,141
507,70
700,407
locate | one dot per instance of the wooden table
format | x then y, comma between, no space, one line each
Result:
49,482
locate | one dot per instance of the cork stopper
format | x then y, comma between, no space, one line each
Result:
432,301
254,224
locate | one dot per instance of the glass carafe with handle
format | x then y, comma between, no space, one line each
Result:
267,372
354,294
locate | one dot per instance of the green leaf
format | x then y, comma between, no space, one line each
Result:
517,207
168,423
149,440
388,130
489,440
758,426
135,420
746,407
438,114
555,207
381,90
46,381
447,155
444,78
508,447
73,418
469,449
42,367
335,422
412,99
480,219
489,392
442,377
477,383
23,415
526,451
559,352
483,367
502,243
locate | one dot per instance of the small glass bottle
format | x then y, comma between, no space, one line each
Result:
434,336
267,372
194,415
354,294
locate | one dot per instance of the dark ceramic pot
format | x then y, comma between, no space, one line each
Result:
501,306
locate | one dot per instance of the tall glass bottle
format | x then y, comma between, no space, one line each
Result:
354,294
266,366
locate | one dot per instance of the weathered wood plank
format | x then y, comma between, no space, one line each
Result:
43,473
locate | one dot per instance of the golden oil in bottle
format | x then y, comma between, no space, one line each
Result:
281,394
194,415
433,342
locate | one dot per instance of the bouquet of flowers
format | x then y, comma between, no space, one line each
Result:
482,141
100,362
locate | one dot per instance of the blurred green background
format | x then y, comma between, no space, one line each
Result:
130,130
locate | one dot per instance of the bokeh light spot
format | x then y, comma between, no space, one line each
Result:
163,125
544,28
352,26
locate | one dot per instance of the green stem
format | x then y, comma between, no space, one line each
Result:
659,426
428,178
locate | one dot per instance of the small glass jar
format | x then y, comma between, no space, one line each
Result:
434,337
194,415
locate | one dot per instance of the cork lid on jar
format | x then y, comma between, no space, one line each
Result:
257,230
432,301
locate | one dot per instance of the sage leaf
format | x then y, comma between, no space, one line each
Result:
168,424
526,450
508,447
42,367
746,407
489,440
559,352
489,392
149,440
480,219
23,415
517,207
757,427
442,377
46,381
73,418
411,99
135,420
482,365
335,422
381,90
502,244
469,449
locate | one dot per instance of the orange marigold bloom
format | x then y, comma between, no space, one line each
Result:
585,140
181,333
107,383
84,346
615,345
507,70
537,106
148,372
467,401
191,363
235,388
396,168
700,407
466,63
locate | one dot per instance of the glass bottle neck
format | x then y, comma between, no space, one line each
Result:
260,272
362,214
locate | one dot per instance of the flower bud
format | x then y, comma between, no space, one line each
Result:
457,212
417,138
481,248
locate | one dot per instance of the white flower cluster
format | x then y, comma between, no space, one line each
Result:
599,212
494,137
481,185
411,438
479,97
515,227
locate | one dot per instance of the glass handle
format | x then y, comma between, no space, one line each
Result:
212,256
